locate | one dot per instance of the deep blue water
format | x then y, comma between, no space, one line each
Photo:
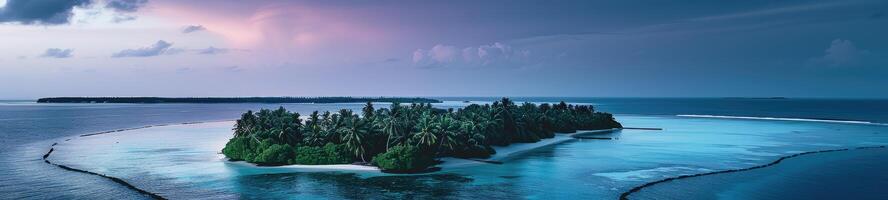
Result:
27,130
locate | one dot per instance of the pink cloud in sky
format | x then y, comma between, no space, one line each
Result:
281,28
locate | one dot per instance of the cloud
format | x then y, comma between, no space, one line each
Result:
774,11
159,48
126,6
172,51
419,56
496,54
122,18
193,28
841,53
442,53
439,55
57,53
213,50
45,12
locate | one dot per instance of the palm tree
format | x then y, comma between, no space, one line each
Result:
368,110
390,126
426,130
313,119
353,134
314,136
468,128
447,130
246,125
332,125
490,124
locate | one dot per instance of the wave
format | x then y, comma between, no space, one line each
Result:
787,119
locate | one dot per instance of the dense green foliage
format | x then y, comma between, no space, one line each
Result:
416,132
240,148
233,100
275,154
403,158
264,152
326,155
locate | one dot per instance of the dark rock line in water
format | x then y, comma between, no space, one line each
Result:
625,195
115,179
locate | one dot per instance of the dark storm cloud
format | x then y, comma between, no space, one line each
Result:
45,12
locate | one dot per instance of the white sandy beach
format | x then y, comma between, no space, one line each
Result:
312,168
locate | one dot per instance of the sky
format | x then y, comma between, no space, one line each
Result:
588,48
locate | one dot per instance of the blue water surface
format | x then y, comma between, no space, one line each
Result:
577,169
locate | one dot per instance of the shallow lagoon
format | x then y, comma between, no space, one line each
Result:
182,161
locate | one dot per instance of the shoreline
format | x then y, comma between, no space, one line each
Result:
309,168
502,153
515,149
506,152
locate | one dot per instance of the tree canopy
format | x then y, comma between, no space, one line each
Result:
416,133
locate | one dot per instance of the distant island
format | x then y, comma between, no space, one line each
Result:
402,139
235,100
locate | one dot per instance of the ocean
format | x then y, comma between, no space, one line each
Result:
700,135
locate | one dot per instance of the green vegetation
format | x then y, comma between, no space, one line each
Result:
233,100
326,155
402,138
403,158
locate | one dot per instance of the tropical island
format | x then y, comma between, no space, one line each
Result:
402,139
235,100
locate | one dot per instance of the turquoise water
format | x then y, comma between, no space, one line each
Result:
855,174
182,161
27,130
